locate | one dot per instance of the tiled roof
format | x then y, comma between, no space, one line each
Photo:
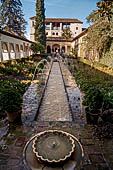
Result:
62,20
81,34
11,34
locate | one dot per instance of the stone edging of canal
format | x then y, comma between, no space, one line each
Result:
33,97
74,95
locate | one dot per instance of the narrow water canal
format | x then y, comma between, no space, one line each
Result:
55,105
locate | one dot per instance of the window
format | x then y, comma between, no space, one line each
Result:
75,32
53,33
76,28
46,33
57,33
47,26
33,23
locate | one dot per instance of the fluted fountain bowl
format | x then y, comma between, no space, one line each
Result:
53,146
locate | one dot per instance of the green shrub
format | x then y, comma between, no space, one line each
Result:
107,100
10,100
37,47
17,84
93,99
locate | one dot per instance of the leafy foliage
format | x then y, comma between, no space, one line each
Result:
107,100
21,69
93,99
20,86
10,100
97,85
67,34
99,36
11,16
37,47
40,35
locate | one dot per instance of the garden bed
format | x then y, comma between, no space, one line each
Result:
16,76
20,69
86,76
97,83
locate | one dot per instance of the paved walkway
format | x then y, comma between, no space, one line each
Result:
55,105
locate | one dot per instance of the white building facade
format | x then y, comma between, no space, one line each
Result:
54,30
13,46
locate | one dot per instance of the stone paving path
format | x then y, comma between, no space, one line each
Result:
55,105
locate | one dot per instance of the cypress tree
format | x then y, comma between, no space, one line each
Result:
40,35
11,16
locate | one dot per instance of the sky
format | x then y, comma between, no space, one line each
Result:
79,9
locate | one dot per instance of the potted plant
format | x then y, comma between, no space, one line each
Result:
11,103
93,100
107,106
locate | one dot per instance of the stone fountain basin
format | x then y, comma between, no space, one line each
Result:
53,146
31,162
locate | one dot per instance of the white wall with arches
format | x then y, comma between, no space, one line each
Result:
13,47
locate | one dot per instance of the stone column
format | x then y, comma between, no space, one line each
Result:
60,48
15,50
8,45
50,26
60,26
1,56
51,47
66,49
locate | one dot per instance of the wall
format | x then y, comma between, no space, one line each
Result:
67,45
74,30
13,48
50,32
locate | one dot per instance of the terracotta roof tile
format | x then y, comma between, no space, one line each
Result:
10,34
63,20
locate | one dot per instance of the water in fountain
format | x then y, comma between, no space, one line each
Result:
37,66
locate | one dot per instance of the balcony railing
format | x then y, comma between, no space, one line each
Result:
47,28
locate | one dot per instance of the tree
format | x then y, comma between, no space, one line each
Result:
67,34
11,16
37,47
40,35
100,33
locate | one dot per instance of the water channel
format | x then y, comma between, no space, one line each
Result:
55,105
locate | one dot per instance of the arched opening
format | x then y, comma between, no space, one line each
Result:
12,48
48,49
25,48
63,49
4,47
68,49
17,51
21,48
12,51
5,51
56,48
17,48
